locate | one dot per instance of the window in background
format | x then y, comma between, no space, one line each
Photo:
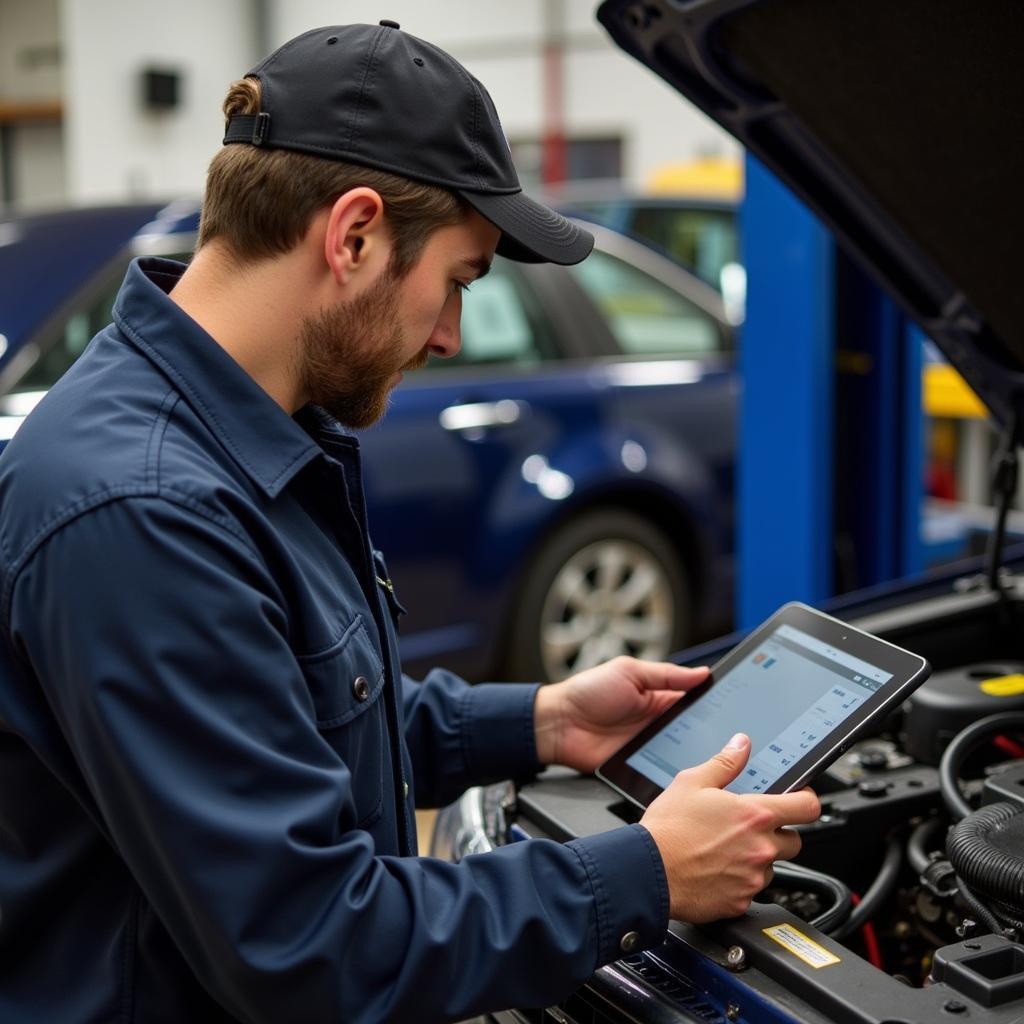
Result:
645,316
76,332
501,324
704,240
586,159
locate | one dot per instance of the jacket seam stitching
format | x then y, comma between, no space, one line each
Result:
334,645
464,739
184,386
154,448
658,864
601,909
90,504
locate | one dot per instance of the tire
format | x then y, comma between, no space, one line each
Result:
606,583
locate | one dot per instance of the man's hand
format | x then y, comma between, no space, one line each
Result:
583,721
718,847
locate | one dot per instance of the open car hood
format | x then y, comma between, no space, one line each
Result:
899,122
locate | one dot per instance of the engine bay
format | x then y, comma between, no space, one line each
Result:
906,903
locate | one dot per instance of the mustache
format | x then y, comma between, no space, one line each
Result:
418,361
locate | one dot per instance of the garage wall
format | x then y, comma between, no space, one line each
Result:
31,148
606,92
117,149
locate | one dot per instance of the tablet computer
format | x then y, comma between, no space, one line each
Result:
802,686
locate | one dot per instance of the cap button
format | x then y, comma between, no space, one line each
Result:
388,23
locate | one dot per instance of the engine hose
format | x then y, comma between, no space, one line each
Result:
919,845
962,745
980,849
817,881
877,893
987,918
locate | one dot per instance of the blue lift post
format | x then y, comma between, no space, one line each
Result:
830,476
784,485
878,434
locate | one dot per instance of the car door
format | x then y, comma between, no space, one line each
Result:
441,468
675,394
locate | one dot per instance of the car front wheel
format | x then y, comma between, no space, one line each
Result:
605,584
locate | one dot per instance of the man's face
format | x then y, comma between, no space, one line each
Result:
353,354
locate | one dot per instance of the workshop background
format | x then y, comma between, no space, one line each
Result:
111,102
76,126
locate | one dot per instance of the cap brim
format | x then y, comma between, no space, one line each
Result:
530,231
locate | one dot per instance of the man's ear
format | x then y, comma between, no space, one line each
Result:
355,232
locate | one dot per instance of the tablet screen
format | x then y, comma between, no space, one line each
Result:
787,694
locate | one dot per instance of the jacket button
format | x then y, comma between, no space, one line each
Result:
360,688
405,789
629,942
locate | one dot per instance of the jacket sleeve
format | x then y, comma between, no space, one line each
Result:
461,735
160,639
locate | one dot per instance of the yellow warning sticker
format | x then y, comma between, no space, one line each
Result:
800,945
1003,686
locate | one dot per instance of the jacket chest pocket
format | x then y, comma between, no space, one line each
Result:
346,682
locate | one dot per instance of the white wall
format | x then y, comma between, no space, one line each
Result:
38,166
450,24
115,148
606,92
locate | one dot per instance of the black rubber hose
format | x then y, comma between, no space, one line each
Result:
981,849
878,892
919,845
817,881
961,746
980,911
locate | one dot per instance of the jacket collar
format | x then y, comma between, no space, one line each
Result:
265,442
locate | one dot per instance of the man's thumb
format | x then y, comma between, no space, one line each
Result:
720,770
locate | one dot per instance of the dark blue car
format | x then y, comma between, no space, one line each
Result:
557,494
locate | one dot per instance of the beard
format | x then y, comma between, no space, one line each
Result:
350,353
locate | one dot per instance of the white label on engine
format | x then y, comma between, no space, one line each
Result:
800,945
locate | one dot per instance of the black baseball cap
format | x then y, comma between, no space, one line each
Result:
377,96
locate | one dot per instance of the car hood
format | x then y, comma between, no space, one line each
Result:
898,123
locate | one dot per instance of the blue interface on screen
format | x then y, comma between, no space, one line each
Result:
792,690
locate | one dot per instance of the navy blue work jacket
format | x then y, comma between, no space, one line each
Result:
208,754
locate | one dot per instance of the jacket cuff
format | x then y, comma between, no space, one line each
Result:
630,890
497,731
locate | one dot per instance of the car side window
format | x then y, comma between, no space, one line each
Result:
704,240
76,333
646,317
70,340
502,323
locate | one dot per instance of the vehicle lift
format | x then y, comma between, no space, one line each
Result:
830,474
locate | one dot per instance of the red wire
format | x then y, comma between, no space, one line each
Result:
1008,746
867,932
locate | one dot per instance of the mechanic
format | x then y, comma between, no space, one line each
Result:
209,757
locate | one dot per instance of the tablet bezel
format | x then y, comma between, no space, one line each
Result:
908,672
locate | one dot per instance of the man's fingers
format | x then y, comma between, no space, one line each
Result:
663,675
799,808
720,770
788,844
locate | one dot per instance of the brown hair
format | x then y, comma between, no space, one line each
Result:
260,202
